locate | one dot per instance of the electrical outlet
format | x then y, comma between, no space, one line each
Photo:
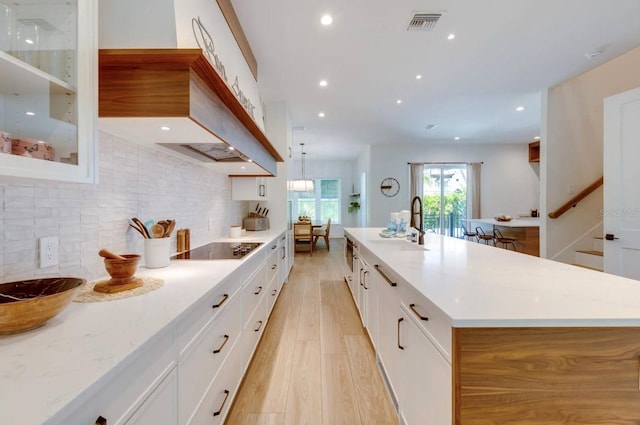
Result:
49,252
571,189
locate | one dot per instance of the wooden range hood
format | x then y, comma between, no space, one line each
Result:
141,88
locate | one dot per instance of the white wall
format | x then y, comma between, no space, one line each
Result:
134,181
571,147
509,184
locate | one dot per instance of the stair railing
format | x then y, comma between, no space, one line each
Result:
571,203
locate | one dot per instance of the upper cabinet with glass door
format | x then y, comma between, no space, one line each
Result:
48,89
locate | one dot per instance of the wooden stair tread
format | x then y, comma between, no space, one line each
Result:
591,252
587,267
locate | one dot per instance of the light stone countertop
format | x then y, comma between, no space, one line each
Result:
478,285
54,367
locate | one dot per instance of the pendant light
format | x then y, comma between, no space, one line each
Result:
302,185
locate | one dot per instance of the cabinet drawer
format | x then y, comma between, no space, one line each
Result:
201,362
213,408
193,322
118,399
252,293
252,332
272,294
429,318
272,264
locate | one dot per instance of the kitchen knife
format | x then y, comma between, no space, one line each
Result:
266,212
258,207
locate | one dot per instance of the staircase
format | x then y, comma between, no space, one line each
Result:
591,258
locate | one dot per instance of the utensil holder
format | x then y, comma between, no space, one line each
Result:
156,253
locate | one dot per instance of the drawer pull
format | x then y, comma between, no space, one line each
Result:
275,291
364,280
222,301
274,267
413,308
101,421
274,247
259,326
389,281
284,253
400,320
259,290
226,396
217,350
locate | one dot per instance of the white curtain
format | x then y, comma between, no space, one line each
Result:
417,180
473,189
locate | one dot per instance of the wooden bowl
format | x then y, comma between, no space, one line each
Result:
27,304
122,274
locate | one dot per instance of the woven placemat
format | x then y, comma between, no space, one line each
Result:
88,295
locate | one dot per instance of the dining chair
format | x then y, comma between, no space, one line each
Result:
302,233
498,238
482,236
322,232
469,235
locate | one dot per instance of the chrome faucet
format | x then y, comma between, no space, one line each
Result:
413,219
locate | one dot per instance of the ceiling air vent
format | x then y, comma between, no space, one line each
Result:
423,21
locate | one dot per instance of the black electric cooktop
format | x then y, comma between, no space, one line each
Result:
218,251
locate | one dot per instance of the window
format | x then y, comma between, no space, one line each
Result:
322,204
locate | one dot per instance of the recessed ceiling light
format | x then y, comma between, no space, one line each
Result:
536,138
451,36
249,160
326,20
231,148
456,138
165,128
520,108
30,113
29,41
323,83
399,101
321,114
243,167
418,76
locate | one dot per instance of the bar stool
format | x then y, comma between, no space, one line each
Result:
482,236
498,238
469,235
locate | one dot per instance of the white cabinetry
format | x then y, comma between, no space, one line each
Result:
426,377
388,349
161,406
48,89
249,188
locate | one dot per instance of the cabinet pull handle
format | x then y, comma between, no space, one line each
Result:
259,326
217,350
259,290
101,421
389,281
222,301
400,320
413,308
262,190
275,291
274,267
284,253
364,279
274,247
226,396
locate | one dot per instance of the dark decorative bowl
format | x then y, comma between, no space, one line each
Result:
27,304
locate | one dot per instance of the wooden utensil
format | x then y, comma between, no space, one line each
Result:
137,229
170,227
158,231
105,253
142,227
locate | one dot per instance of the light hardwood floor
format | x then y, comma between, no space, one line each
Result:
314,364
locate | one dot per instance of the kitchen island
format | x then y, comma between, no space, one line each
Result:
120,359
526,231
506,338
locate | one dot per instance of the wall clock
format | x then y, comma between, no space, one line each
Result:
389,187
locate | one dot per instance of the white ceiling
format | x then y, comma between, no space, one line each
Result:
506,52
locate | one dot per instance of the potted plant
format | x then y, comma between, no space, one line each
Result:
354,206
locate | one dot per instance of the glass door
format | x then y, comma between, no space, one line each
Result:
445,198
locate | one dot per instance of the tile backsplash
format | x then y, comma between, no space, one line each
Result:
134,180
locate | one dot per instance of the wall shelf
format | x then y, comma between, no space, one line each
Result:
534,151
